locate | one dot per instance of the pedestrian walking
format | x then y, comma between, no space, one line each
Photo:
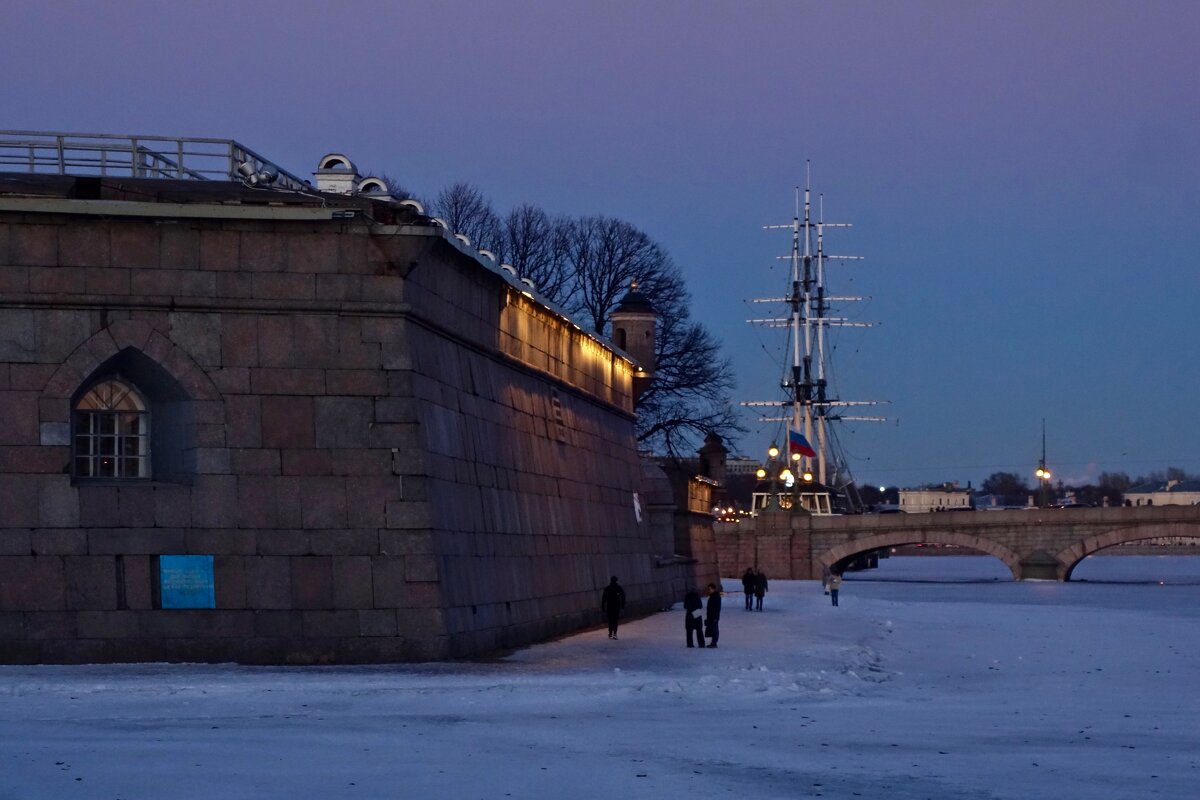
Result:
712,615
835,583
748,587
760,588
693,611
611,603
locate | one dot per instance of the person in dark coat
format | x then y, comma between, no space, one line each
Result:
712,615
748,587
760,588
611,603
692,610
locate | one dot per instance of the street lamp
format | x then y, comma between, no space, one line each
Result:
1043,474
775,474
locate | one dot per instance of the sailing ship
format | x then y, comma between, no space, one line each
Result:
814,473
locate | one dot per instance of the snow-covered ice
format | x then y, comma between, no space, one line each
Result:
977,687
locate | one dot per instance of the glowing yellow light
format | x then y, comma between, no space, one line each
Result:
795,456
761,473
808,477
785,475
773,451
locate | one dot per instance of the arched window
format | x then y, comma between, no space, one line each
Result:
111,428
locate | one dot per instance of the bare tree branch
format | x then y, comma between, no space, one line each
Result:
396,190
467,211
586,265
689,395
607,255
537,247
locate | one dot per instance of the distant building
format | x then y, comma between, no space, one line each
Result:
741,465
943,497
1165,493
999,502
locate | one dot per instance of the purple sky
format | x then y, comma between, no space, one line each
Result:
1023,177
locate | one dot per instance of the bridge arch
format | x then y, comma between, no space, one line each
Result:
896,538
1069,558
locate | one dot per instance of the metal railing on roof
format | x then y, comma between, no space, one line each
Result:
99,154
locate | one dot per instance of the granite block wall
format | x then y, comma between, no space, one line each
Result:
388,451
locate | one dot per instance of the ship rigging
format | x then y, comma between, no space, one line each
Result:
820,479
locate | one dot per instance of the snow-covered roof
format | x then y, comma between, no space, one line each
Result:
1156,487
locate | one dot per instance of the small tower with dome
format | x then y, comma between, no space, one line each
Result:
633,330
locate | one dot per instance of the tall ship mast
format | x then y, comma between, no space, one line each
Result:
818,477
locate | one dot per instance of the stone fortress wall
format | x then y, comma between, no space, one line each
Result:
389,450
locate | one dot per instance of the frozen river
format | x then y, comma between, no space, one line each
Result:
936,678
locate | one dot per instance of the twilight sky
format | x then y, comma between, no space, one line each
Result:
1023,177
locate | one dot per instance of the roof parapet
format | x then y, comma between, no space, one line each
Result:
112,155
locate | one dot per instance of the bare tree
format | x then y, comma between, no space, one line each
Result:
1005,484
1114,482
587,265
537,246
606,256
467,211
689,395
396,189
1161,476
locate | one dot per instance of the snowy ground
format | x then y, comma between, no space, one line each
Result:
972,688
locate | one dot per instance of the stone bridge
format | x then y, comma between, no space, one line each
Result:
1033,543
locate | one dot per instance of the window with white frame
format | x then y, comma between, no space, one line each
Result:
111,428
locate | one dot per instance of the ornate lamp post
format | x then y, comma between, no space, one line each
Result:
772,471
1043,474
798,480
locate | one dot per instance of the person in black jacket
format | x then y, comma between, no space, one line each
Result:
611,603
748,587
760,588
712,616
692,610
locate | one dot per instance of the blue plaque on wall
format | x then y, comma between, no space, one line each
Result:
186,581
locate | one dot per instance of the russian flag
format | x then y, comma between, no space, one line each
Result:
798,444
